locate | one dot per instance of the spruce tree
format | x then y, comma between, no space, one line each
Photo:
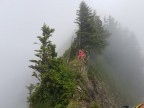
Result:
100,34
57,81
45,54
91,33
84,21
30,89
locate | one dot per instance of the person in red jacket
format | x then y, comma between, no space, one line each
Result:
82,55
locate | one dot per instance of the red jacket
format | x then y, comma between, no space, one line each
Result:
81,54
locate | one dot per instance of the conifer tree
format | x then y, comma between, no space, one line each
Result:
45,54
57,81
91,33
30,89
100,34
84,21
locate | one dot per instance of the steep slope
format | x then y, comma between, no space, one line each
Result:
92,90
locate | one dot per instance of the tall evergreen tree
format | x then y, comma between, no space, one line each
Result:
100,34
84,21
45,54
57,81
91,33
30,89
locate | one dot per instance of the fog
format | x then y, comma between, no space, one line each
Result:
21,21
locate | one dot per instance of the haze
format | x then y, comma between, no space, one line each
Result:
21,21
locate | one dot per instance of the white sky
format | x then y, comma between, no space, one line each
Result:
20,23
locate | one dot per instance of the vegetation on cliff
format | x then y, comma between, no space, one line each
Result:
68,82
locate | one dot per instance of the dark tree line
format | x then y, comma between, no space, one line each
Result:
124,56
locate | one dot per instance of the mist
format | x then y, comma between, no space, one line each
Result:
124,56
21,21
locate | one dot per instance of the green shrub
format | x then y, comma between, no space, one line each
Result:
57,86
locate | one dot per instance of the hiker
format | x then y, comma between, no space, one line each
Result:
82,55
87,54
